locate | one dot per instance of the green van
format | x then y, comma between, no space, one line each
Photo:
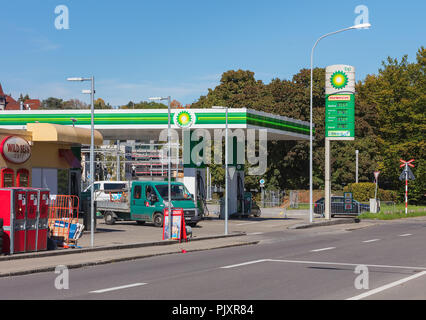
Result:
146,201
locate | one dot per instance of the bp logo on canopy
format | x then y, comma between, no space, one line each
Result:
184,119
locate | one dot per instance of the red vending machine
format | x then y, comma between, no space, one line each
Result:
31,220
13,207
43,218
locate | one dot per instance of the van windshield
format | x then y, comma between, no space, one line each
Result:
179,192
114,186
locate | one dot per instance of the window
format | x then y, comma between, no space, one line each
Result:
22,178
337,200
7,177
137,192
148,192
179,192
114,186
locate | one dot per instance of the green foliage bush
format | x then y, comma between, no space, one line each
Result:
364,191
387,195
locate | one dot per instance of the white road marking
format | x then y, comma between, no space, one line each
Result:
245,223
372,240
388,286
244,264
254,233
119,288
324,263
405,235
275,225
346,264
323,249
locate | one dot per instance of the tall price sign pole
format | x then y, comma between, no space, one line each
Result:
339,115
408,175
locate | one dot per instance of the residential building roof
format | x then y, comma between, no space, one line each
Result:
8,103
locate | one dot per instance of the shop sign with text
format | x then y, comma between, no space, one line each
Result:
15,149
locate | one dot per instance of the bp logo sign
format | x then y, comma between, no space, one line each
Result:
184,119
339,80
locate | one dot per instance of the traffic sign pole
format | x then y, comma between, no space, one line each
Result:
406,188
406,170
376,176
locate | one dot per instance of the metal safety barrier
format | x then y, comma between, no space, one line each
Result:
63,220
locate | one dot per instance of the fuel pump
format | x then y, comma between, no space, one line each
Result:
201,192
194,169
240,193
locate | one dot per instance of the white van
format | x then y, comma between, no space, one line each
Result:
105,190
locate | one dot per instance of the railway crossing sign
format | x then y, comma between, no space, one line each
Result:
406,162
406,174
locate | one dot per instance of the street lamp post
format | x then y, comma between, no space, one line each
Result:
358,26
226,165
92,152
169,206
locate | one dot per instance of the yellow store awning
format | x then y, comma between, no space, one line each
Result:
48,132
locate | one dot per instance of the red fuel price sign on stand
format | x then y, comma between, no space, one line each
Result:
178,231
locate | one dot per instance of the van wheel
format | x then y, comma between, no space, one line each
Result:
109,218
158,219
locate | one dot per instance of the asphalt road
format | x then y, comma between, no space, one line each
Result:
309,264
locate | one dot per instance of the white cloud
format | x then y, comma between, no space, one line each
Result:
41,43
37,41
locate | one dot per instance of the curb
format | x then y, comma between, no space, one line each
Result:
43,254
324,223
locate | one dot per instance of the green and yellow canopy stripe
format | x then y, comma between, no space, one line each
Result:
244,117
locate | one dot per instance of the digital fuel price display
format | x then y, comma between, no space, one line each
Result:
340,116
340,102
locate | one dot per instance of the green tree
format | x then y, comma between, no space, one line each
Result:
75,104
52,104
398,96
101,104
144,105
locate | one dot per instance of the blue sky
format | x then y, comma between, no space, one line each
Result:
138,48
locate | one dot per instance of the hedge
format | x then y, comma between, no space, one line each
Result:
364,191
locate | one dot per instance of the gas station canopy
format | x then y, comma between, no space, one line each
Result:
146,124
